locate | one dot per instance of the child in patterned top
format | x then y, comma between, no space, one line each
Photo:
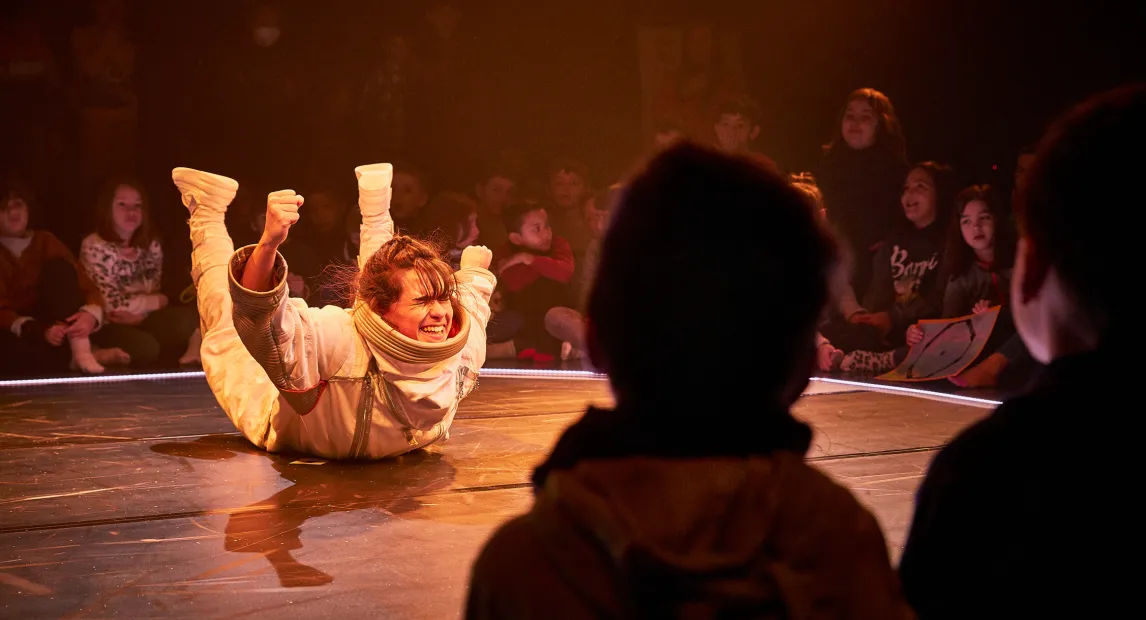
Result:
125,260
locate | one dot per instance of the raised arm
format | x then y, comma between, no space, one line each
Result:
475,286
299,347
374,182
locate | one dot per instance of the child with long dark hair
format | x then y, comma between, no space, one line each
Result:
861,176
977,267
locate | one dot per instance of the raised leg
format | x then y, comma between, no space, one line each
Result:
207,196
240,384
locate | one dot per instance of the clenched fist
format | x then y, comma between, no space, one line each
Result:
476,256
282,213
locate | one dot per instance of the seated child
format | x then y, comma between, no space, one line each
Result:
535,269
46,298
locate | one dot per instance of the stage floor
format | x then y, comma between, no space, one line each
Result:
138,499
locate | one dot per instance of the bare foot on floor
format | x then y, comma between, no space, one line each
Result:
982,375
112,357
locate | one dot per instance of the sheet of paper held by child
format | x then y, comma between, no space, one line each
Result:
948,347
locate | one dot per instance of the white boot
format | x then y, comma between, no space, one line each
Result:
206,197
374,182
199,188
82,357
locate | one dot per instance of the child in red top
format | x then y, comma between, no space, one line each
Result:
534,270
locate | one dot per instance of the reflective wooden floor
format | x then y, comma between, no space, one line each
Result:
139,499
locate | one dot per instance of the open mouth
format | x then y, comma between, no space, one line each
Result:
435,332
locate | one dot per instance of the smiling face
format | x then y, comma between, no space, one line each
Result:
919,198
13,217
126,211
418,313
859,125
977,224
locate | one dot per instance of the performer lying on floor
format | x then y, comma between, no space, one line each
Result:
378,380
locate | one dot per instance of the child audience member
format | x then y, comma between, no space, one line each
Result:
862,175
494,191
452,221
828,357
568,188
125,260
737,126
978,265
1028,513
977,268
321,243
568,324
535,269
906,286
45,298
685,501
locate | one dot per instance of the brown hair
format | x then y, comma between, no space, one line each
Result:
888,133
105,223
379,283
959,256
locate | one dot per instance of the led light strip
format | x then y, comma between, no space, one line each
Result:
157,376
540,372
485,372
881,387
164,376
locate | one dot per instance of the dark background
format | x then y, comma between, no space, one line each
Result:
971,81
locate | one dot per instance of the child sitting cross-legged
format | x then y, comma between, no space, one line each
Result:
534,269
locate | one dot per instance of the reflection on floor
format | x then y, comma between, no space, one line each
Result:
138,499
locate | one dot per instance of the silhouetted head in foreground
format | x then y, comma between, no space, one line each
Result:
1074,286
713,274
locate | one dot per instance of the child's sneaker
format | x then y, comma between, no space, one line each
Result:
868,363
